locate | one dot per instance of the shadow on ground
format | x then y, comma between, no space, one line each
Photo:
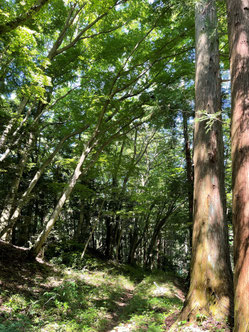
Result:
104,296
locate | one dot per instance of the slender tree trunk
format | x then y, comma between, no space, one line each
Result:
8,209
89,238
34,251
79,225
156,232
133,243
119,242
210,291
94,226
7,221
108,237
238,24
152,245
159,250
190,177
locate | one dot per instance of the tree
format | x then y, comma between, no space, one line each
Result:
210,291
79,85
239,67
89,75
27,14
33,118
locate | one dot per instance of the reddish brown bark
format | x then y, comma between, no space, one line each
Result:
210,291
238,23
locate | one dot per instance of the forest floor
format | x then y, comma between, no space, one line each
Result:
99,296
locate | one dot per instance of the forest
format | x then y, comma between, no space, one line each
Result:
124,165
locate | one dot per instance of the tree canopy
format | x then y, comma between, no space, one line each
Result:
97,103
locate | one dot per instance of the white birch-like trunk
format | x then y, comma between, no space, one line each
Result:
34,251
6,222
6,213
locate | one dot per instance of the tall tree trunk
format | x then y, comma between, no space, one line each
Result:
11,199
7,221
210,291
133,243
118,240
190,177
238,24
78,233
109,231
160,222
34,251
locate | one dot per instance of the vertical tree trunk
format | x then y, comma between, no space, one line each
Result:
210,291
160,222
133,243
109,231
79,226
159,250
189,171
238,24
89,238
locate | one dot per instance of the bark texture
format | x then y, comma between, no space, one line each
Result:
210,291
238,24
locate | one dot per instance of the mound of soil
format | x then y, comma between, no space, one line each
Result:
19,274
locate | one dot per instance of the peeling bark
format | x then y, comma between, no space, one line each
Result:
210,291
238,25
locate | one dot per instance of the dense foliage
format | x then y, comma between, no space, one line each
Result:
96,147
110,82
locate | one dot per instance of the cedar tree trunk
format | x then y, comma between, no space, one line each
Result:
211,278
238,24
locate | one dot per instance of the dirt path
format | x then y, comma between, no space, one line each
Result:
116,317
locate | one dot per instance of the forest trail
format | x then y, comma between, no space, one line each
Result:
122,303
97,296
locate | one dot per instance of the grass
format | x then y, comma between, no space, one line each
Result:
154,298
91,295
99,296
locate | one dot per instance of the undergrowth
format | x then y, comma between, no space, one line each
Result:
93,295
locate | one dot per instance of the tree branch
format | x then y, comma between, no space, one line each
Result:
9,26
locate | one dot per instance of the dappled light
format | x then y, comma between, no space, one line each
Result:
100,298
124,165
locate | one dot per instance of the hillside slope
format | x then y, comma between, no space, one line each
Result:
97,296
